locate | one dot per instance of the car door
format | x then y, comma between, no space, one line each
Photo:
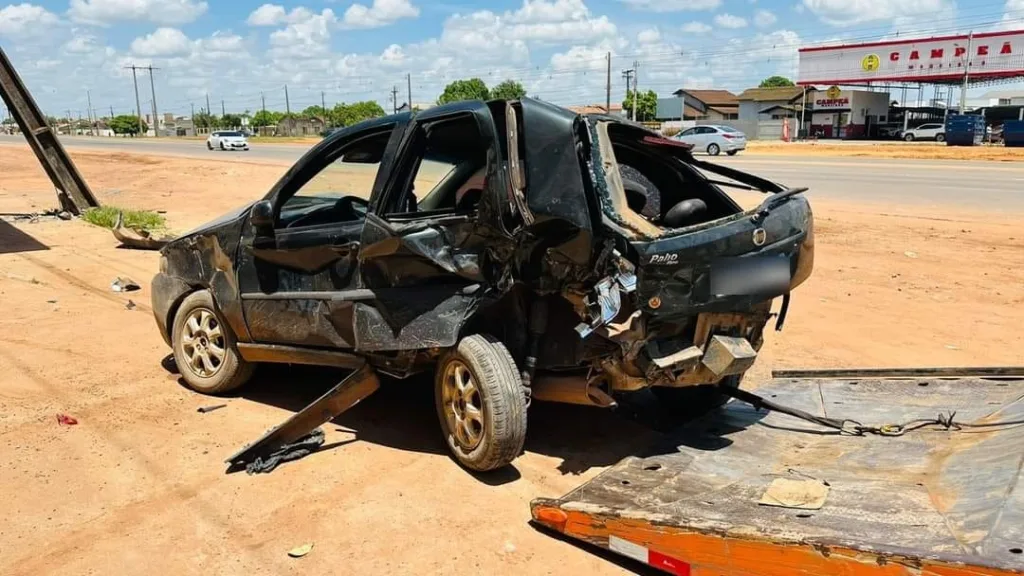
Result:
297,272
432,237
689,136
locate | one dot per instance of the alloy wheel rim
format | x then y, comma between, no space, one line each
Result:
462,406
202,342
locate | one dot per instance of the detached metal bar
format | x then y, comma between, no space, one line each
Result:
72,191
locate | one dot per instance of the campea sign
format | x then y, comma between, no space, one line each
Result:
986,55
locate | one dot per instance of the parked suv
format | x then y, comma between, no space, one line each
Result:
935,132
227,140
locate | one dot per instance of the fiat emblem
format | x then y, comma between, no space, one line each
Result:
760,237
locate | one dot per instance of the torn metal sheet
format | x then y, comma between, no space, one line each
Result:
345,395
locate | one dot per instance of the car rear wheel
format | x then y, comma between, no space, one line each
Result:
204,347
713,149
909,137
481,403
732,152
209,146
940,137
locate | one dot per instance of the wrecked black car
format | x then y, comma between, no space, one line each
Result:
516,249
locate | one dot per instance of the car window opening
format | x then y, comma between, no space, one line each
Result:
449,173
655,191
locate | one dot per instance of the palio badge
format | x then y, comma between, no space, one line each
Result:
870,63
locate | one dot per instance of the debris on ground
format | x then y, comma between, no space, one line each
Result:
64,215
65,420
130,305
910,254
205,409
124,284
300,551
136,238
286,453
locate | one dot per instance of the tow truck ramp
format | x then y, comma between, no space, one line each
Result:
747,492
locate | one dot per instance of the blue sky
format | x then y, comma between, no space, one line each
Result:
244,53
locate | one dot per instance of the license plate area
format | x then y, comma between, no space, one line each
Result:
764,275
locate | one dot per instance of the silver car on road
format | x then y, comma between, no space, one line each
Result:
714,139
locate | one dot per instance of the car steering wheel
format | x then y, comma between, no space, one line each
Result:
347,205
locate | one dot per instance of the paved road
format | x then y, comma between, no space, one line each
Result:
970,185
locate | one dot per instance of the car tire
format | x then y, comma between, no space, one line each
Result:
204,347
222,148
908,137
732,152
940,137
713,149
481,403
209,146
694,401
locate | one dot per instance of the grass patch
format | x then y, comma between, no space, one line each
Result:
106,217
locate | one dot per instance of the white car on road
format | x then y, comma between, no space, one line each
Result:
714,139
227,140
935,132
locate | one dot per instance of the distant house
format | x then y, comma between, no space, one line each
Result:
772,103
614,109
296,126
698,105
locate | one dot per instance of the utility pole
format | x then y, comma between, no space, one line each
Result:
636,80
193,115
287,104
323,103
208,109
628,75
152,90
111,112
222,112
394,99
263,101
138,104
967,66
803,112
408,84
88,99
70,121
608,86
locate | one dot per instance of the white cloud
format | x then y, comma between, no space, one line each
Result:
648,36
107,12
307,35
1014,16
846,12
162,42
541,21
764,18
25,19
380,13
672,5
730,21
696,28
267,15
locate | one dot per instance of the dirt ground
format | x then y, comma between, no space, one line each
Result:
138,486
914,151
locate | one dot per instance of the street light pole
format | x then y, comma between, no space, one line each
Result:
967,67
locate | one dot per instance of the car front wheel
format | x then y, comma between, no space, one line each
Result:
940,137
209,146
909,137
204,347
481,403
713,149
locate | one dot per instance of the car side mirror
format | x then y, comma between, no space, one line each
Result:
261,215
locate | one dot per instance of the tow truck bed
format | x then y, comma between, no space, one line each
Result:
931,502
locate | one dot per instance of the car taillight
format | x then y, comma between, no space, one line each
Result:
729,136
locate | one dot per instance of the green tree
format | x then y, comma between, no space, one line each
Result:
204,120
126,124
266,118
646,105
508,90
317,112
776,82
230,121
348,114
472,89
